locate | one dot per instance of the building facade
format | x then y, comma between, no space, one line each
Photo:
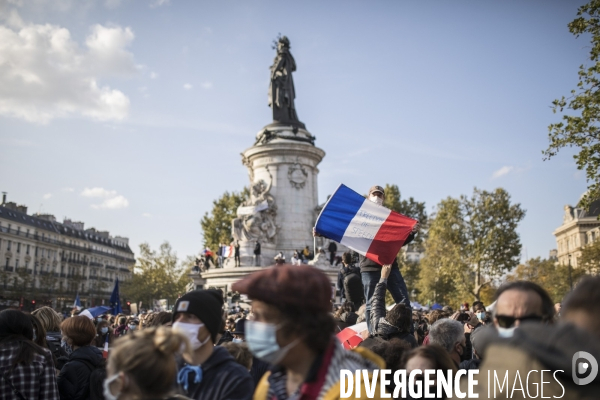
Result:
45,262
579,228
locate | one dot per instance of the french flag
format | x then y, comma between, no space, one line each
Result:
363,226
227,251
105,350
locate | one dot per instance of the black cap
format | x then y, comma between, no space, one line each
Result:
204,304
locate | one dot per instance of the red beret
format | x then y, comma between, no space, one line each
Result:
300,286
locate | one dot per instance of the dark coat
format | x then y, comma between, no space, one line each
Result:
74,377
380,326
222,378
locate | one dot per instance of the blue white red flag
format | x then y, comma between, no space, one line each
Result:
364,226
227,251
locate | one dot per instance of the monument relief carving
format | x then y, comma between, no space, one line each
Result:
256,216
297,175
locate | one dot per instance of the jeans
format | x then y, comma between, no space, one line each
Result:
395,285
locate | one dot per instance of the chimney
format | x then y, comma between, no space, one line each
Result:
3,198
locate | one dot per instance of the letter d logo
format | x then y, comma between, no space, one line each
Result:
581,368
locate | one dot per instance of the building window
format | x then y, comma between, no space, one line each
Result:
27,233
7,261
18,247
593,236
27,251
16,264
8,246
18,230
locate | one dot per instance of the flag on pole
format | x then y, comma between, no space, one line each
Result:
227,251
77,303
115,301
364,226
105,350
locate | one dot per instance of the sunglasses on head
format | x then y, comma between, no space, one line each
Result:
505,321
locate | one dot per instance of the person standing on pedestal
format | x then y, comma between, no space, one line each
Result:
332,250
236,253
257,254
371,271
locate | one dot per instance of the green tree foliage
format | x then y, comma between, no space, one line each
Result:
589,261
549,274
157,275
216,226
581,129
472,242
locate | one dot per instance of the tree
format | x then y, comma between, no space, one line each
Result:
589,261
157,275
581,130
472,242
549,274
216,226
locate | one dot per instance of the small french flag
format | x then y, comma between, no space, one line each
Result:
105,350
227,251
363,226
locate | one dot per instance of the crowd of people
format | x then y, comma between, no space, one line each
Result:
285,347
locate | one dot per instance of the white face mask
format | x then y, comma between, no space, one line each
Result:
106,388
237,340
506,332
191,332
376,200
132,327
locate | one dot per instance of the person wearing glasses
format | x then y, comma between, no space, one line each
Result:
518,302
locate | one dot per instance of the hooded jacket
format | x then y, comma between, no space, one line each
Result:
222,378
381,327
74,377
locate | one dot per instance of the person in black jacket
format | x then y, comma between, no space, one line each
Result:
212,373
74,378
371,271
395,323
332,250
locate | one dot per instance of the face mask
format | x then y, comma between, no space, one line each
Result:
132,327
99,319
104,330
376,200
506,332
262,341
480,316
237,340
106,388
191,332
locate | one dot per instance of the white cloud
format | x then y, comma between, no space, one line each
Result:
159,3
502,171
153,75
206,85
113,203
98,192
187,86
47,75
47,196
112,200
146,215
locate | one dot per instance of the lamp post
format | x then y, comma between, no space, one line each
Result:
570,276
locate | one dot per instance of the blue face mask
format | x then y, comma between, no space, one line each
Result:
104,330
262,341
480,316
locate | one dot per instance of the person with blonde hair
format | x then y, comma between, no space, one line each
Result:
143,365
50,321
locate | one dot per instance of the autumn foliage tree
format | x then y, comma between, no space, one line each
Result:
216,225
472,241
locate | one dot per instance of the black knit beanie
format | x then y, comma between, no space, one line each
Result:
206,305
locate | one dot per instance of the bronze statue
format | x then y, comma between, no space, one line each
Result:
281,89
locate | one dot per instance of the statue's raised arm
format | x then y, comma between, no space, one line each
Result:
281,89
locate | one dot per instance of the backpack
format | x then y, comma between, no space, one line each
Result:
97,377
353,287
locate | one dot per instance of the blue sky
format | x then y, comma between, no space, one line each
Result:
131,115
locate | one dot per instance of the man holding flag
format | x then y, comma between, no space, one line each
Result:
373,231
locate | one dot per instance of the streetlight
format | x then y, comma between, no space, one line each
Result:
570,276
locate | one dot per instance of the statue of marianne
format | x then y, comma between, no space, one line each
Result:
281,89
